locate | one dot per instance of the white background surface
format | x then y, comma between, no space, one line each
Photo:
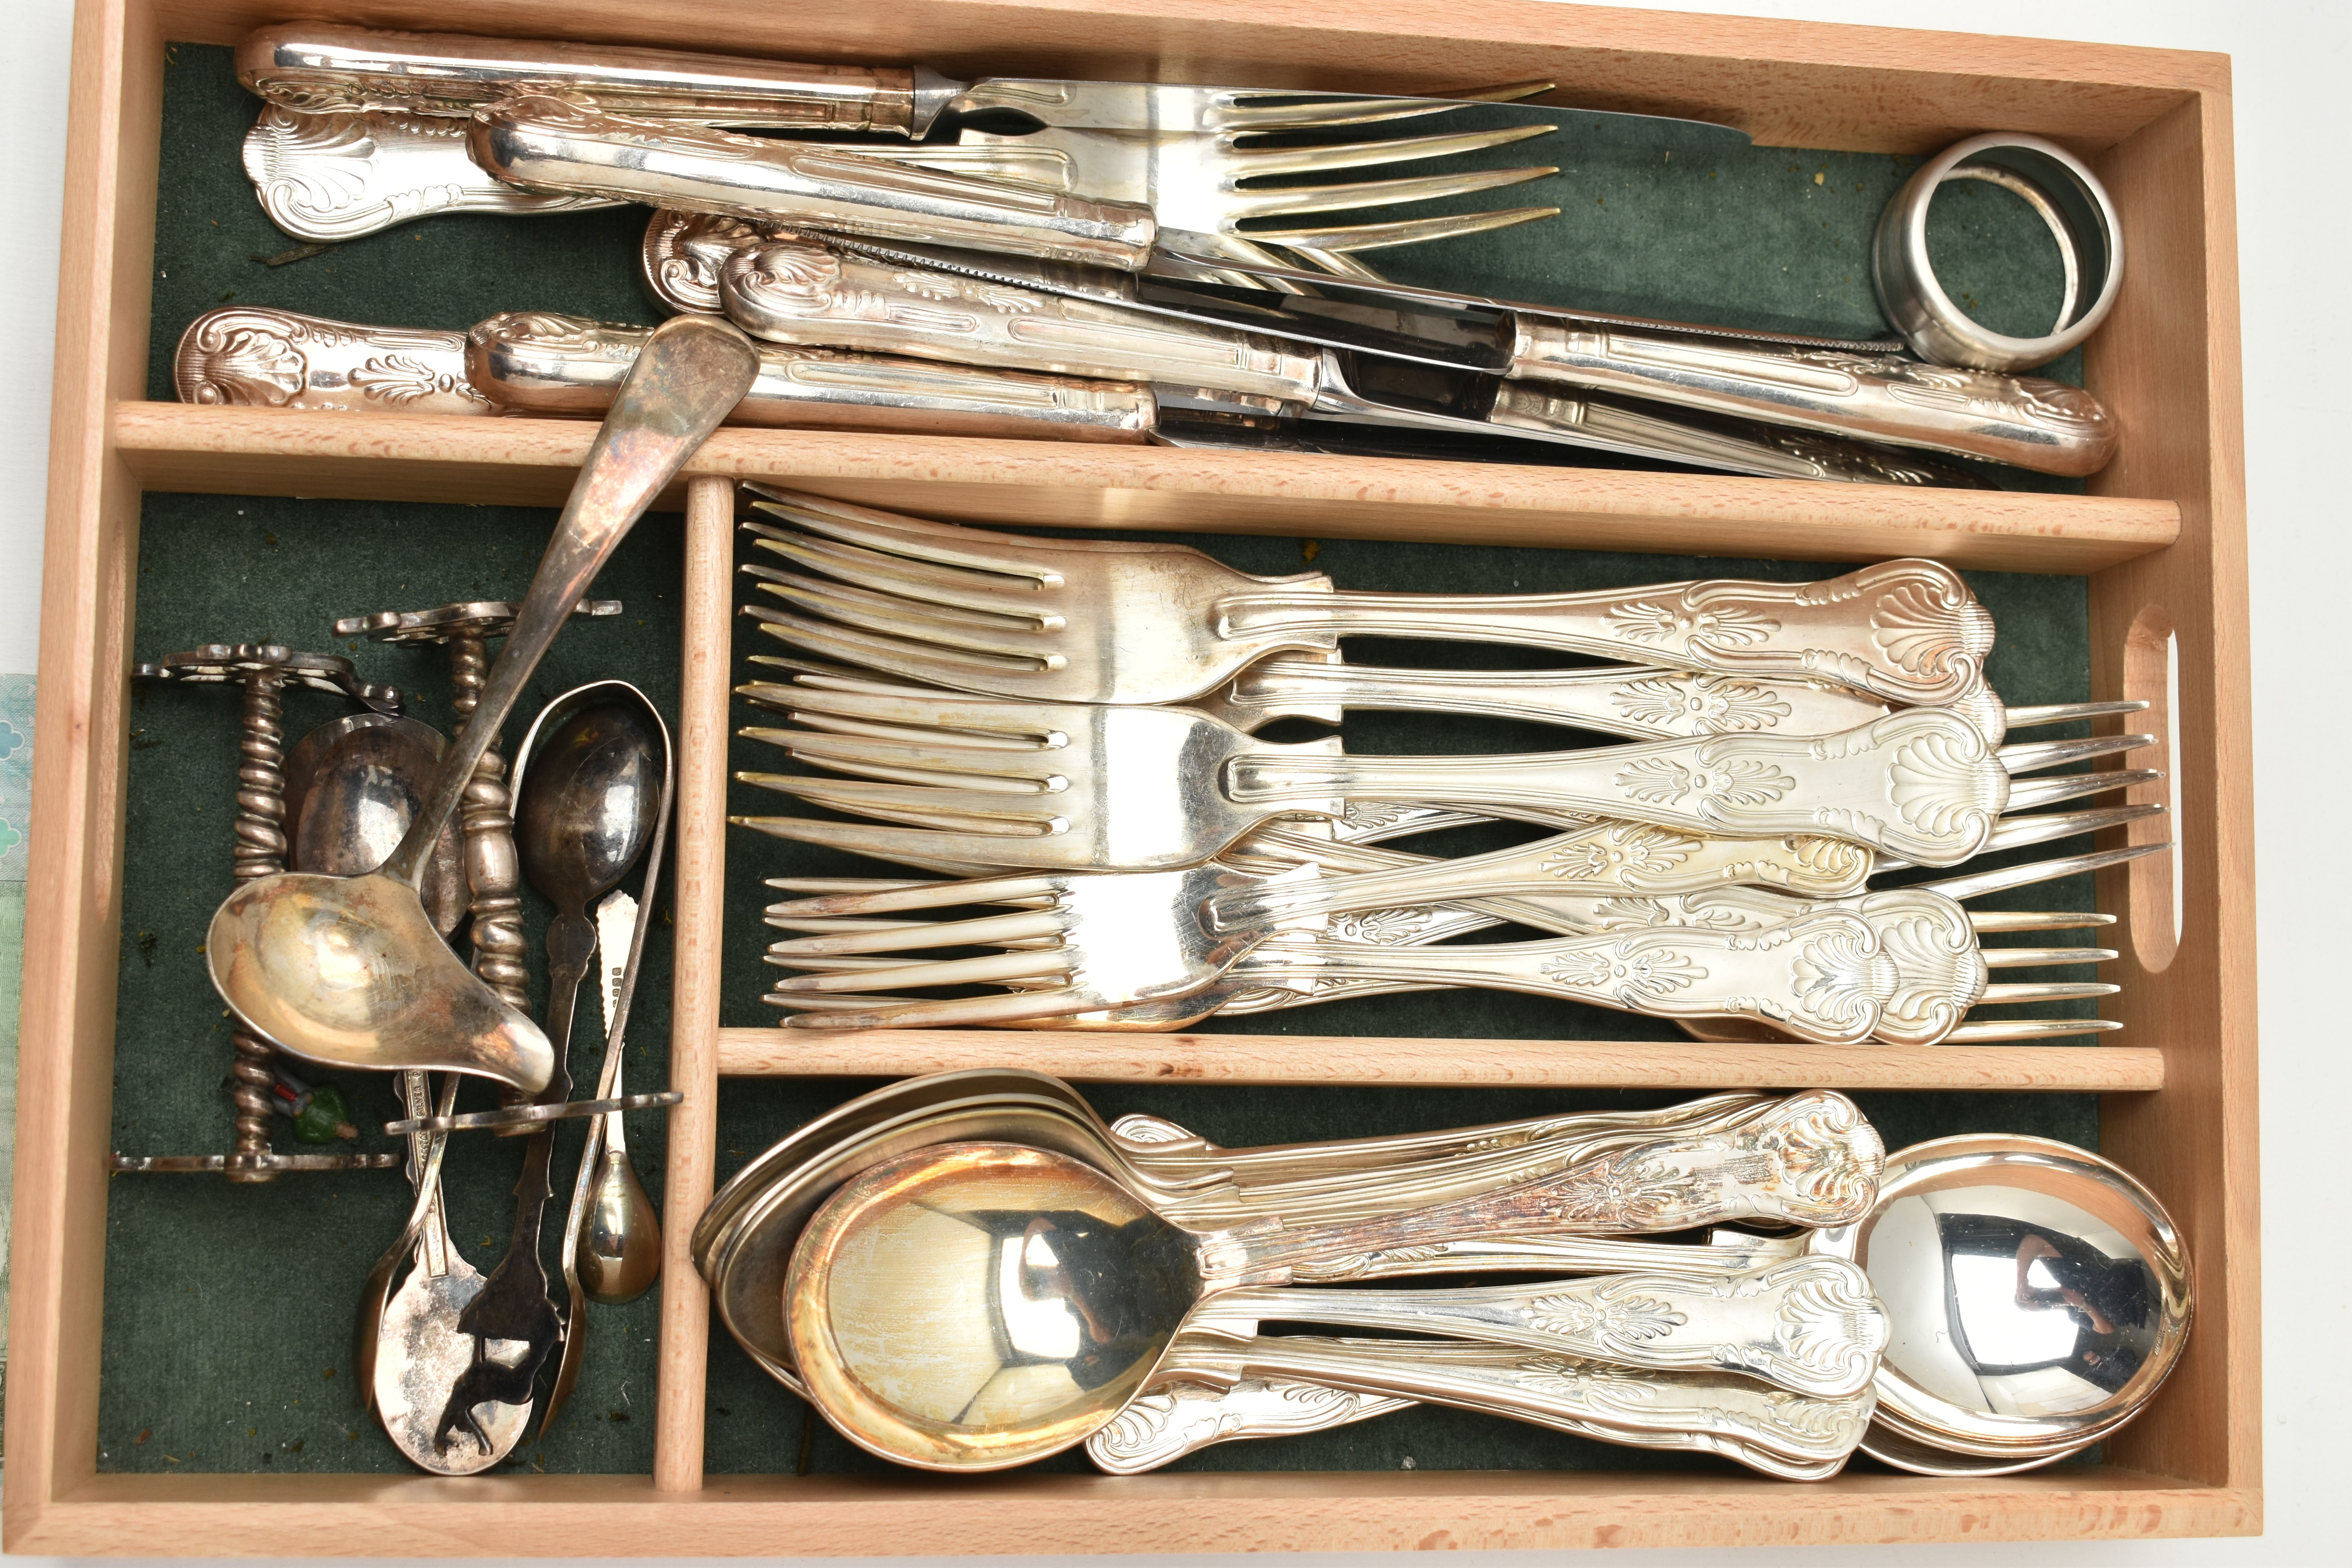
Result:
2293,63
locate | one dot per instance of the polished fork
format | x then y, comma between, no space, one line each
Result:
1126,621
1201,181
1073,787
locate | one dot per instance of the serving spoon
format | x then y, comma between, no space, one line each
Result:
978,1305
350,971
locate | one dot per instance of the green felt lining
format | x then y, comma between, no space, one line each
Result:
227,1308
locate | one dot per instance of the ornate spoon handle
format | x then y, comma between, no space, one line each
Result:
1909,631
1810,1325
1794,1436
1811,1159
1921,783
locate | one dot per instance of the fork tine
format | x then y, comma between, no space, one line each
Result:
1296,200
945,711
1987,921
2029,793
795,589
832,725
994,638
962,810
2045,991
1026,965
2044,957
906,576
921,895
1250,162
2014,832
1241,111
944,544
1993,1031
894,1013
834,676
1978,883
2029,756
985,931
929,660
1410,231
959,767
913,845
815,885
2068,712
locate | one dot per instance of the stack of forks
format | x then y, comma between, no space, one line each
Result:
1061,729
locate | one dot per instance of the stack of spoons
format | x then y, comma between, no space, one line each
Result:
974,1270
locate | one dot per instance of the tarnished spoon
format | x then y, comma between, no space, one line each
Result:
350,971
352,787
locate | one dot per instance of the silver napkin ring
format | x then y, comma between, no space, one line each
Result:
2055,184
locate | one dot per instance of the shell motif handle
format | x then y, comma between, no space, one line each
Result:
1921,783
1167,1422
1609,860
1734,446
800,291
549,144
323,68
1649,704
249,357
539,362
2028,421
1792,1435
1811,1159
1909,631
1810,1325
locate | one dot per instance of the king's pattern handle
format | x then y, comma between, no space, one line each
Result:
2028,421
541,362
1810,1325
551,144
1909,631
1921,783
323,68
797,291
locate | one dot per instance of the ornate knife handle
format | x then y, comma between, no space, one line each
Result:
798,291
1811,1159
1909,631
1739,445
2028,421
550,145
538,362
1792,1435
250,357
1645,704
320,67
1920,783
1810,1325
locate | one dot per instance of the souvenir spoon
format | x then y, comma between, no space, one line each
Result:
349,970
352,786
973,1306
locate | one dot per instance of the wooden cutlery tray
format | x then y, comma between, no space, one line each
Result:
261,518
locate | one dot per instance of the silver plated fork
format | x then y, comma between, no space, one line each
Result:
1127,621
1073,787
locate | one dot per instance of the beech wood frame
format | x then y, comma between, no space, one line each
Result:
2162,537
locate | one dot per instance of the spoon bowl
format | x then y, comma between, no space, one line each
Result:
353,969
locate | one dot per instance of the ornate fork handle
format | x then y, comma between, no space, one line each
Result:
1920,783
1909,631
2025,420
319,66
1791,1434
1811,1159
548,144
1810,1325
1645,704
